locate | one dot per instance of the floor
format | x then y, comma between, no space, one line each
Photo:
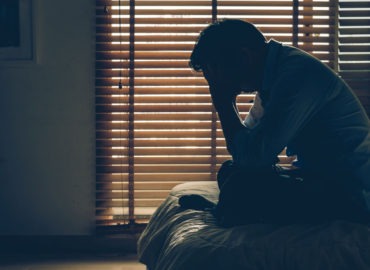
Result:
71,262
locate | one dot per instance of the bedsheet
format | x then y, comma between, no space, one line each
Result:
178,239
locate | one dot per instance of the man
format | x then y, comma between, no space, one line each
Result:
301,104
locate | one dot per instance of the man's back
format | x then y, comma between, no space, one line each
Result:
337,133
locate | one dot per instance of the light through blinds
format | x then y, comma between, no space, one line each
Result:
155,125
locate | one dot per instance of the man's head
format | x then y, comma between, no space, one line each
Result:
231,48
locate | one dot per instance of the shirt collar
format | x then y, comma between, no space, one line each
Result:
270,68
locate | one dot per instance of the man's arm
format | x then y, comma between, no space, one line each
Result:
295,98
224,93
229,116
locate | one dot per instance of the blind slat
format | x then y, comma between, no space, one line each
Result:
103,22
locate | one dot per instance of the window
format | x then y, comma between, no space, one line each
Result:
354,47
155,125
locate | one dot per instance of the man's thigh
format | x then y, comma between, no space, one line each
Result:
254,197
269,196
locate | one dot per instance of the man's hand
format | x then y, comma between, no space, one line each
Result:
222,89
255,113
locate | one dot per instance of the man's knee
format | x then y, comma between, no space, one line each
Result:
224,172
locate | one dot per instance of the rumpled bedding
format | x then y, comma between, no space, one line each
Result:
178,239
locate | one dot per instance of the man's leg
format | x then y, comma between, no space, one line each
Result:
282,198
226,169
249,197
198,202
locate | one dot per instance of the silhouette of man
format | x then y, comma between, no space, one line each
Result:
300,104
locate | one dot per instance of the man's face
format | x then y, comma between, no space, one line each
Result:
232,79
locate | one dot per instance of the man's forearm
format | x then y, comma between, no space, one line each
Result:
230,121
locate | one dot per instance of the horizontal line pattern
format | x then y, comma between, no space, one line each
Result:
354,47
173,109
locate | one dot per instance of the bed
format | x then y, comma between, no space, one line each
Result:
184,239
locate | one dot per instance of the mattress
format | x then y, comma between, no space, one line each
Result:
183,239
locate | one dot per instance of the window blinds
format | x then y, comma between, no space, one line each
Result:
354,47
155,125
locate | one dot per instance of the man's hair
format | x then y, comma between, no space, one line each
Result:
221,42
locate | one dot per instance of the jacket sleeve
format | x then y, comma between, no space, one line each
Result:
295,98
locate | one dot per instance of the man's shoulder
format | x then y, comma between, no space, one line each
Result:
294,56
297,62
